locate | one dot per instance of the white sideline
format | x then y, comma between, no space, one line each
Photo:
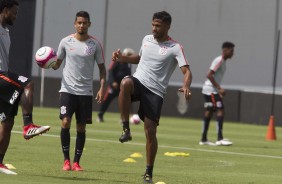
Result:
171,147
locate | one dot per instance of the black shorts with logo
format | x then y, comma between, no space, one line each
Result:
11,88
213,102
81,105
150,104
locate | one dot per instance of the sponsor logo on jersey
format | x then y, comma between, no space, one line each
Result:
14,97
150,38
70,39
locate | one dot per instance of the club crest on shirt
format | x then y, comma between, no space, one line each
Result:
89,51
163,51
90,48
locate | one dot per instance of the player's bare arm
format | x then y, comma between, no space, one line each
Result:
210,76
186,82
132,59
57,64
100,94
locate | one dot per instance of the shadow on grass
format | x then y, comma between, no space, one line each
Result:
75,178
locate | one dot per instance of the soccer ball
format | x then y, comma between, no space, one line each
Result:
134,119
46,57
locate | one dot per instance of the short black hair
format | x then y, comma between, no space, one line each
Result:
84,14
7,4
163,15
227,45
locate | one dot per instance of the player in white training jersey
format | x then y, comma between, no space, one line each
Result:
213,94
80,52
158,57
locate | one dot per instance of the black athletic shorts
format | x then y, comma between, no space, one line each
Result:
81,105
11,88
213,102
150,104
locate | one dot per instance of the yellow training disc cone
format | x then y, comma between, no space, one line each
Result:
129,160
136,155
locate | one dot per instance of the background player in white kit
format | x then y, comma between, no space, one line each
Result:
80,52
213,94
158,57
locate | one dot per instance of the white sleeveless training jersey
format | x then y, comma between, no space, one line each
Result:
219,67
157,63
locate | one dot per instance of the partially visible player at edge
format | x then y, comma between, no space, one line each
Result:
14,88
158,57
80,52
214,93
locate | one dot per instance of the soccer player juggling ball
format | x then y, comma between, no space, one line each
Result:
158,57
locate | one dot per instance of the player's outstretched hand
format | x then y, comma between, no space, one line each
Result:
186,92
116,55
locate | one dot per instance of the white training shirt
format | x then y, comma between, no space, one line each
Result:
157,63
5,43
219,67
80,57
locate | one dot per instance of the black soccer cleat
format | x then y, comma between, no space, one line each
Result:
147,178
125,136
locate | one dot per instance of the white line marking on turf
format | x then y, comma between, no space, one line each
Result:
170,147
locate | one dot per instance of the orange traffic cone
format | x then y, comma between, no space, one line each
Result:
271,135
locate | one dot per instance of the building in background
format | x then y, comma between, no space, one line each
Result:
201,25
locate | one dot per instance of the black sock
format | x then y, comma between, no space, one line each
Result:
80,141
65,142
149,170
206,124
27,119
100,114
219,120
126,125
1,158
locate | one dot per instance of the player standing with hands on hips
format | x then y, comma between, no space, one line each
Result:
214,93
80,52
158,57
14,88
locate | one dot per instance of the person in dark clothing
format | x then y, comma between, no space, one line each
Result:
117,71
